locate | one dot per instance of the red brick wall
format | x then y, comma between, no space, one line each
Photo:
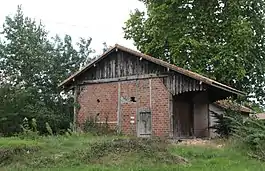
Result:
140,90
107,94
160,108
128,108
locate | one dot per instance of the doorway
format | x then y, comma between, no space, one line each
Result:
144,124
183,126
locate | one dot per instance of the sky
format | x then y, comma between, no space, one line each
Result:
102,20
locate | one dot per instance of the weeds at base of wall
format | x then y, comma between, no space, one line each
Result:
30,131
94,127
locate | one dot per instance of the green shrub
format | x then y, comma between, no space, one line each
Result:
48,128
29,130
252,134
226,123
72,130
249,132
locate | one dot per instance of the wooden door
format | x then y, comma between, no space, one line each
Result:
144,124
182,120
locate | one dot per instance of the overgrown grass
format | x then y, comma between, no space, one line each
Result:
87,152
12,142
221,159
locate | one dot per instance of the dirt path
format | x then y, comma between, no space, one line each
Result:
203,142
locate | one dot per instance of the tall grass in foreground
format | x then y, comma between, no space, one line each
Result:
88,152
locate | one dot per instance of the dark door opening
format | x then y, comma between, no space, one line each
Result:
182,118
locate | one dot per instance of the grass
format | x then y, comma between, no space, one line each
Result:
83,152
221,159
12,142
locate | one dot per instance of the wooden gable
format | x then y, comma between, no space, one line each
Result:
120,63
123,65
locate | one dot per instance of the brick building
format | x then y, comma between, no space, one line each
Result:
145,96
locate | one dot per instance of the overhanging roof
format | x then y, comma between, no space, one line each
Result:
188,73
260,116
227,104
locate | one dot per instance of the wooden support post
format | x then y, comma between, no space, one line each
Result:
75,108
150,93
192,119
119,123
137,103
209,121
209,118
150,101
170,107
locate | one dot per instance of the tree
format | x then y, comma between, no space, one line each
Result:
32,66
221,39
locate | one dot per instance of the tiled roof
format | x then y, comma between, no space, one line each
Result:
159,62
260,115
227,104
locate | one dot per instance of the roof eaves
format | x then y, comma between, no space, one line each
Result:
226,104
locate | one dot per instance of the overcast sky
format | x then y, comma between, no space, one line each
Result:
100,19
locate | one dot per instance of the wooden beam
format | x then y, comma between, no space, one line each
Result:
108,122
66,89
137,103
208,112
150,93
170,113
134,77
119,123
75,107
